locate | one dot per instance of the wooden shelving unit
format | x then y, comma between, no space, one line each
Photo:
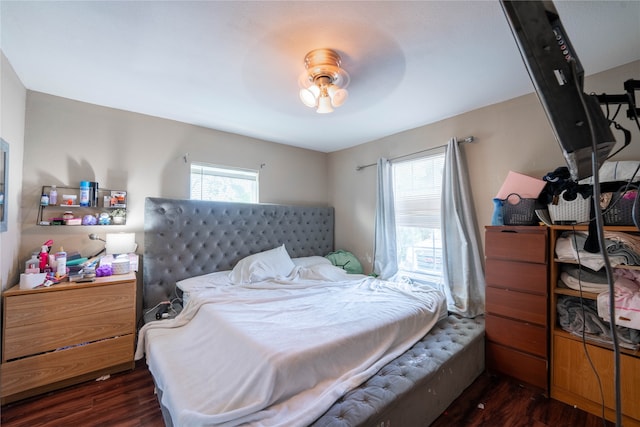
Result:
573,380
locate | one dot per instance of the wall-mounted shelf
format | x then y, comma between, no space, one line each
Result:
106,207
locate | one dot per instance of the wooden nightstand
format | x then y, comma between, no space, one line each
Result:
65,334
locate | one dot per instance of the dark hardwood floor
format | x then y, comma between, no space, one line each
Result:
128,399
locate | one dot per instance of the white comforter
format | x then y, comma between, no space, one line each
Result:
281,352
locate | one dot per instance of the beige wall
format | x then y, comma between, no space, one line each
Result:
512,135
12,118
68,141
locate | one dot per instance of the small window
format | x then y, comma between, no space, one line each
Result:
209,182
417,188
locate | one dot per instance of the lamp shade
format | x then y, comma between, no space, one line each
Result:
308,98
338,96
324,105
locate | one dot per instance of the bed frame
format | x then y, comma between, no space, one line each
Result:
186,238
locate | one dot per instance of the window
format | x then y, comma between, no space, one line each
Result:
223,184
417,187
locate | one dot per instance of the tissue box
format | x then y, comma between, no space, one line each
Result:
32,280
121,265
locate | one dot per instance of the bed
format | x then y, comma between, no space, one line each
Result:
191,243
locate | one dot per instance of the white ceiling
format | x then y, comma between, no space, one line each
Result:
234,65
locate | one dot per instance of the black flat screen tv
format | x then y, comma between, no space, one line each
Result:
558,78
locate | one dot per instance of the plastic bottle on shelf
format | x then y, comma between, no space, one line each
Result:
44,200
85,189
44,258
53,196
32,265
61,261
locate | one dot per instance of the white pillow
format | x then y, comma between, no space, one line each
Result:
262,266
307,261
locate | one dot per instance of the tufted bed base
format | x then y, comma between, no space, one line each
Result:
188,238
418,386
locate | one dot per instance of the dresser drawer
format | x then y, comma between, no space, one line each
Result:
522,336
517,305
39,338
79,303
528,244
515,275
525,367
50,368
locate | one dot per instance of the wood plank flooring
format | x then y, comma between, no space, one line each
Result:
128,400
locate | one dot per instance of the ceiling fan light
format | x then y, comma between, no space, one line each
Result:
324,105
324,79
338,96
307,98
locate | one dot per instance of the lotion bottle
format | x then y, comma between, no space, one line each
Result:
61,260
53,196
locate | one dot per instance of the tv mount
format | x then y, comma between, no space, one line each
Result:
633,112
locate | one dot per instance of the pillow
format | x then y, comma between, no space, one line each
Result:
345,260
307,261
262,266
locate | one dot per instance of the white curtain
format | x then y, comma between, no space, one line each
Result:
385,261
463,272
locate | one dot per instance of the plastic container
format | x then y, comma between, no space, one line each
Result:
44,200
61,260
53,195
32,265
85,193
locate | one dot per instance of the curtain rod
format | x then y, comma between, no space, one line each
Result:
467,139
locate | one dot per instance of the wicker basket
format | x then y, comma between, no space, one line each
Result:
518,211
620,210
576,211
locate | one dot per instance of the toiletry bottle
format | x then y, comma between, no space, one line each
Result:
32,265
85,189
44,200
44,258
61,260
53,196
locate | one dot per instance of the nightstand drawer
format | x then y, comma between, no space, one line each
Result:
523,276
38,371
528,244
522,336
517,305
79,303
39,338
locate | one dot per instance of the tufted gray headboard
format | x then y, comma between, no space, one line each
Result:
186,238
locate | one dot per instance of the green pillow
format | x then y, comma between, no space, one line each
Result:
345,260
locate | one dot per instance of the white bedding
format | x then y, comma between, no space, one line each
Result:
281,352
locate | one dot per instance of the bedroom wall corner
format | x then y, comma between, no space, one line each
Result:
12,123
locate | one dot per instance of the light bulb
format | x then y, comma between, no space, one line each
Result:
324,105
338,96
307,98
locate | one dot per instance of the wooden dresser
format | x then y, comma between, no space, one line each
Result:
516,320
65,334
